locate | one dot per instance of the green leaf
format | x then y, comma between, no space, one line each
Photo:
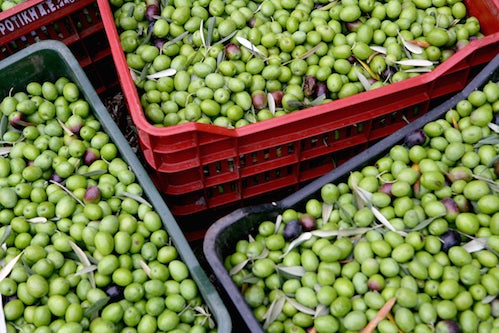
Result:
163,73
38,219
475,245
82,256
293,271
236,269
278,222
96,307
6,234
86,269
300,307
341,232
327,209
274,310
135,197
211,28
5,271
297,241
409,46
363,80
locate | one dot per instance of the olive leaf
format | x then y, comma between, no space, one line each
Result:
278,222
6,234
492,184
176,39
494,127
211,28
86,269
292,271
491,139
145,267
300,307
341,232
163,73
410,46
229,37
271,103
327,209
3,125
368,69
415,62
38,219
3,325
296,242
379,49
143,73
136,197
317,101
247,44
274,310
250,278
489,299
5,271
423,224
475,245
68,192
65,128
201,34
236,269
94,173
385,222
82,256
329,5
363,80
321,310
96,306
5,150
202,310
306,54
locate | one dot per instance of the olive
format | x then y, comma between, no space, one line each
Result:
292,229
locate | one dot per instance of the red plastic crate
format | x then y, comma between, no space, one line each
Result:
76,23
199,166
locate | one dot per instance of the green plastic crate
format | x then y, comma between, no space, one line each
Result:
49,60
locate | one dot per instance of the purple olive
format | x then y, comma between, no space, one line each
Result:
232,51
16,119
309,85
449,239
56,178
463,203
114,292
292,229
496,167
252,22
451,207
151,12
307,222
277,94
92,194
158,42
417,137
447,326
259,99
321,89
386,188
90,156
353,26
